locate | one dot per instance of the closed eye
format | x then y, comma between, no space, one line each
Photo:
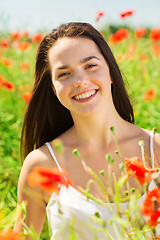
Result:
90,66
63,74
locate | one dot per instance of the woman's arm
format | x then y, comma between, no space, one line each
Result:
156,147
33,197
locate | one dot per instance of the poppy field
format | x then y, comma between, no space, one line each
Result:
137,52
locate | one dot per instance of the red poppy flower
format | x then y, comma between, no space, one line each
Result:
99,15
24,66
140,32
49,179
27,97
120,57
8,234
143,57
136,167
126,13
156,50
155,35
4,43
151,206
25,35
15,35
37,38
5,84
9,86
118,36
149,95
6,62
131,50
2,82
24,46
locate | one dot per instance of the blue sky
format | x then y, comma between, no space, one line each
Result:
35,15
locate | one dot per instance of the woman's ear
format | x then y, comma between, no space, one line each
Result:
54,90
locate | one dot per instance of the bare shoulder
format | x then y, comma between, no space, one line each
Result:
156,147
145,135
157,139
39,157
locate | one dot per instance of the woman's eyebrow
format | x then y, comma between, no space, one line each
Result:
81,62
63,67
88,58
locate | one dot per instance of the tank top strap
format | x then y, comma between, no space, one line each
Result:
53,156
151,147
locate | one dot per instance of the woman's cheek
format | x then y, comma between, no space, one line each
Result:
61,91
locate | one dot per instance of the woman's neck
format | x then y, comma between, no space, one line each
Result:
95,130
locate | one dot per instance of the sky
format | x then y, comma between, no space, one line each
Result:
44,15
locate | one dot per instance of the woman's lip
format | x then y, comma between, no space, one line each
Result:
80,93
82,100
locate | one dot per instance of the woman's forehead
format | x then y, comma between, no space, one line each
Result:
73,47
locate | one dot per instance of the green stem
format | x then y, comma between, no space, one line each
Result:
95,176
90,196
116,142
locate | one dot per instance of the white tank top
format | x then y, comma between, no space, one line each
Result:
71,210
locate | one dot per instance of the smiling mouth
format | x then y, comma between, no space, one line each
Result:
85,95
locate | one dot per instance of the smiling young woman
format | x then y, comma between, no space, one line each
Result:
78,94
81,82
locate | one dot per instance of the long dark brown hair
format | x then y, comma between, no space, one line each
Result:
46,118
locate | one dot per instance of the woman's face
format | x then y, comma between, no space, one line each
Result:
80,75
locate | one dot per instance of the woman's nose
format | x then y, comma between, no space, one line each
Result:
80,80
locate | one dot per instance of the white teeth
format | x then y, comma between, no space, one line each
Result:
85,95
